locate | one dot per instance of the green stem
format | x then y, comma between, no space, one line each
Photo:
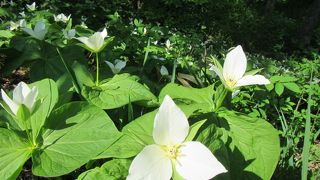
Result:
97,73
220,95
173,78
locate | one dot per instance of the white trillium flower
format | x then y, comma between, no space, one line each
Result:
117,66
94,43
233,73
61,17
22,94
39,30
32,6
13,26
16,25
191,159
69,34
22,14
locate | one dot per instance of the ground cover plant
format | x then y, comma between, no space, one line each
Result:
117,90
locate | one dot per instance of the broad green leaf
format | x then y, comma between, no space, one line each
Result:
253,145
279,88
46,100
202,97
6,34
138,133
50,65
119,91
116,169
84,77
75,133
292,87
14,152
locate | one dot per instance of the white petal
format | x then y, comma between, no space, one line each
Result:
196,162
111,66
170,124
120,64
86,41
12,105
252,79
104,33
40,26
96,40
29,31
30,99
235,64
150,164
217,71
17,94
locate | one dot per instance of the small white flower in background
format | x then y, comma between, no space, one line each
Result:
233,74
168,44
69,34
32,6
191,159
22,94
22,23
164,71
39,31
144,31
117,66
13,26
83,24
22,14
16,25
61,17
94,43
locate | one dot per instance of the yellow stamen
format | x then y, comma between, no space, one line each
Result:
231,83
172,152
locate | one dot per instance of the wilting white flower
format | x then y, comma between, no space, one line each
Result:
94,43
164,71
233,73
69,34
191,159
32,6
117,66
22,94
39,30
61,17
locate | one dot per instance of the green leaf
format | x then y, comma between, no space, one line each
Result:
253,145
253,72
119,91
75,133
201,97
50,65
14,152
138,133
6,34
292,87
279,88
46,100
116,169
282,79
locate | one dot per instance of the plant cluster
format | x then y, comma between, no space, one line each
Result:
137,100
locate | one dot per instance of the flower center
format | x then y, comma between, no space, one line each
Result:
172,152
231,83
